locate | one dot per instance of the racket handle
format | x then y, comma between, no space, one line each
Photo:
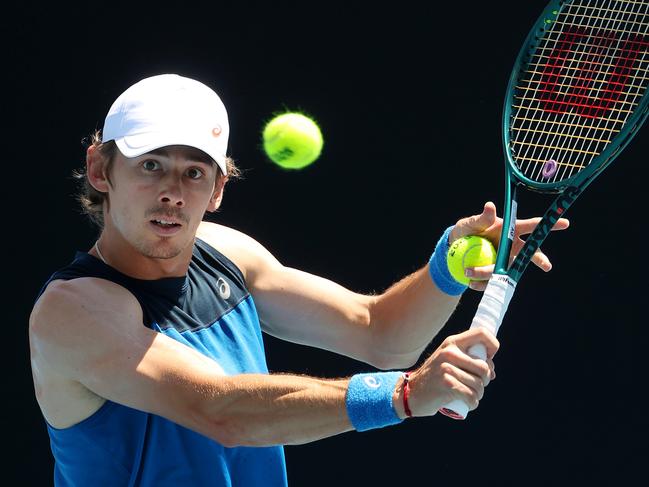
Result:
489,315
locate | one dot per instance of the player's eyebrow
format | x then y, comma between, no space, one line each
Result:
191,153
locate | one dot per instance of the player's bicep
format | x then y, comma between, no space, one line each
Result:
294,305
91,331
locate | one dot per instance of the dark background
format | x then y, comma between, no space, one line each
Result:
409,100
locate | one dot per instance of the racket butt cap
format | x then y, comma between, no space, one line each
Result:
451,414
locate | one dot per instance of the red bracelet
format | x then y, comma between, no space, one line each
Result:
406,392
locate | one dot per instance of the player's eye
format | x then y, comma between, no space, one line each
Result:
150,165
195,173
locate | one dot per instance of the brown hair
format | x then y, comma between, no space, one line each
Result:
92,201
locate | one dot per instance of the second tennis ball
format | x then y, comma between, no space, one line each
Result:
292,140
469,251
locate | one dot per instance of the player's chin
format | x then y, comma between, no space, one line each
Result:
165,250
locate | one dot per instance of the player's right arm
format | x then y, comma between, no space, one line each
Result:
88,333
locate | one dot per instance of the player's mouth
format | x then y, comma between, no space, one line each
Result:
165,223
165,226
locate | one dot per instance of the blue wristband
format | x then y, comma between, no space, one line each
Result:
438,268
369,400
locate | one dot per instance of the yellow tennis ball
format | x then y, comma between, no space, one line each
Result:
469,251
292,140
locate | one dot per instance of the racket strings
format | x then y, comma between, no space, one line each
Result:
629,70
633,67
550,73
554,106
580,86
596,45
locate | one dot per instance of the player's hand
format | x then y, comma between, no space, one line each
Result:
487,224
449,373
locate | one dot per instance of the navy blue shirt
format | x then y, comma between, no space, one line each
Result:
210,310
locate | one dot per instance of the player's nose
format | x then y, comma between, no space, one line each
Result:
172,191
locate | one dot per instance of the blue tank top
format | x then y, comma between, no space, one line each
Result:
210,310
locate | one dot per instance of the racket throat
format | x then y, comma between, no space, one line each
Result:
543,229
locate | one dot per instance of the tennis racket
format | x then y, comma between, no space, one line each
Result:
575,99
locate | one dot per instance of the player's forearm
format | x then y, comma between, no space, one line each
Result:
407,316
262,410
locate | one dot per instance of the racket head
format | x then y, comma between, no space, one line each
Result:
577,92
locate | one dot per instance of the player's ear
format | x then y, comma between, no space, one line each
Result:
217,195
96,169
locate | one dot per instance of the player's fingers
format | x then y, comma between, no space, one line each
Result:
482,273
462,391
484,220
562,224
492,366
458,358
476,383
526,226
478,285
541,260
473,336
476,224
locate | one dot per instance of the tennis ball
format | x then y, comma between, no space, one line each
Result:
292,140
469,251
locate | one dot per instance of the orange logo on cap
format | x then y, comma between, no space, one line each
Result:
216,131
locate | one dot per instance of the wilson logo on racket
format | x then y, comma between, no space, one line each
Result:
588,94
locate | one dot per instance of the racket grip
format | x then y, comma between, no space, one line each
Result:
489,315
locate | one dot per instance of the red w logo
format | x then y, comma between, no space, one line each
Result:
588,71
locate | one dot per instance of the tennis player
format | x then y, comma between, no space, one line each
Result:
147,351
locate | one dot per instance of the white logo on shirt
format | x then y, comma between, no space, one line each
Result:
224,288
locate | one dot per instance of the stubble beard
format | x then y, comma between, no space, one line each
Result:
164,250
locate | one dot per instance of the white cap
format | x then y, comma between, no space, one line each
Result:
168,110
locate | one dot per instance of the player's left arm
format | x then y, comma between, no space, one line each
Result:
298,306
388,331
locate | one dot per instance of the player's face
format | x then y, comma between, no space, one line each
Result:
157,200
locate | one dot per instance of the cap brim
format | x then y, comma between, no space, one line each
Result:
137,145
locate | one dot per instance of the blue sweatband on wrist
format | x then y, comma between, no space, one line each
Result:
369,400
438,268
